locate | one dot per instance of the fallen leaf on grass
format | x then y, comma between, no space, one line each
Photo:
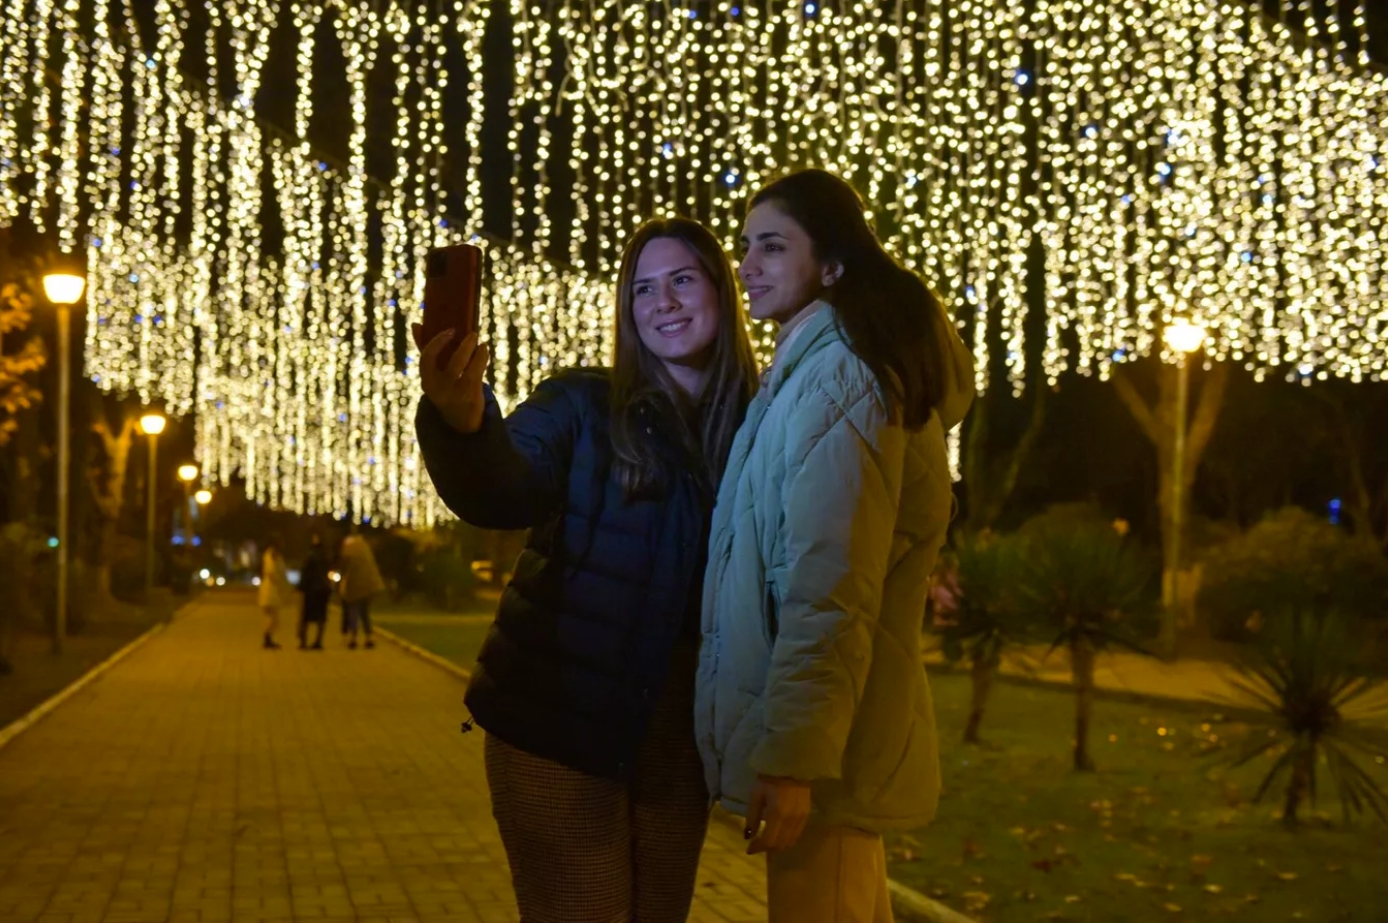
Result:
1171,908
974,901
1334,867
1201,860
1072,898
1125,876
1043,865
1214,889
1252,899
1287,876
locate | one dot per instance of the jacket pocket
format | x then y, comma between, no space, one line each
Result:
773,616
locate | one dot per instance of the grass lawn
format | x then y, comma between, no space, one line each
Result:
1162,831
455,636
39,675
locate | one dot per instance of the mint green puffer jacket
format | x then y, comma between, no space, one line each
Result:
828,522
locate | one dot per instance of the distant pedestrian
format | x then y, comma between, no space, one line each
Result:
361,580
276,591
317,588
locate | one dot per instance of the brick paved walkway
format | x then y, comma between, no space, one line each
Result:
203,779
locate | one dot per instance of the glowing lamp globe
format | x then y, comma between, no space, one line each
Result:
203,497
1184,337
152,424
188,472
64,288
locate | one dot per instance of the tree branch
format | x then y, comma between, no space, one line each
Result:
1142,412
1207,413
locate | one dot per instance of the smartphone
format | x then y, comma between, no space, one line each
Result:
452,293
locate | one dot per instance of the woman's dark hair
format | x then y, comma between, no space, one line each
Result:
887,312
640,382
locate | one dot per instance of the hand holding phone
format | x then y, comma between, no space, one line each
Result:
455,388
452,293
452,362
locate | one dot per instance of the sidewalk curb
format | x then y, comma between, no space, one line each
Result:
415,649
19,725
907,903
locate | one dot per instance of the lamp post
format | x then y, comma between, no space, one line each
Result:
64,289
1183,338
151,424
187,474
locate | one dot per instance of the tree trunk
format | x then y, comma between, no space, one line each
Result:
1299,785
1158,423
990,478
981,672
107,484
1082,674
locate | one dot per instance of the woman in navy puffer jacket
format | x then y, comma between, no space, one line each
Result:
585,683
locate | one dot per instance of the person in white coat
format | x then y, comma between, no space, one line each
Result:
275,592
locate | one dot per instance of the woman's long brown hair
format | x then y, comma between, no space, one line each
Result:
639,379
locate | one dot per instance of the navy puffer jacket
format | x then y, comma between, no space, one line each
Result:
605,587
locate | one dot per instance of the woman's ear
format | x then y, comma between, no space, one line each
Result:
830,273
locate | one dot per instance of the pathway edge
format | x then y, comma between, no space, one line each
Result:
18,726
411,648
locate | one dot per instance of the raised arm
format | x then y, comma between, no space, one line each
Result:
511,473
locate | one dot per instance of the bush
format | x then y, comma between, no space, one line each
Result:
446,579
1291,561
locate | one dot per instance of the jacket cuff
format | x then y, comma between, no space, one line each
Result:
804,754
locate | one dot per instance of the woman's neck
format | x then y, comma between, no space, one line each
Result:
798,319
690,379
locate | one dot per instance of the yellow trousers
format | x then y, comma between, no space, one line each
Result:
831,875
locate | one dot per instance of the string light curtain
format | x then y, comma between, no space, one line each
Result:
1174,159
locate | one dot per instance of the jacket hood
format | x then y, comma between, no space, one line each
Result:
957,362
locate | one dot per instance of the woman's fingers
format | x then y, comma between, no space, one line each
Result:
476,367
429,372
458,363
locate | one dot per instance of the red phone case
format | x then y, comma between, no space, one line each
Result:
452,293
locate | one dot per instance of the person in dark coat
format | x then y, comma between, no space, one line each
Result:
584,686
316,587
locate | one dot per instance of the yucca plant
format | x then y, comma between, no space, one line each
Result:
1305,669
984,620
1084,584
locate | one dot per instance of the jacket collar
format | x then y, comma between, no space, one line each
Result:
819,328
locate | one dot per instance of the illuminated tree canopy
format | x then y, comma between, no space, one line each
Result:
1168,159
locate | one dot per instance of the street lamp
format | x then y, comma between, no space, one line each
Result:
151,424
64,289
187,474
1183,338
203,497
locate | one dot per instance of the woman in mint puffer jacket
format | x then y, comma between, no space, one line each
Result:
813,712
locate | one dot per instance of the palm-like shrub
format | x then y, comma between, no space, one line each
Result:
984,620
1305,668
1083,584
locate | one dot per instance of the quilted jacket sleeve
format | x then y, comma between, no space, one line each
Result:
510,474
840,500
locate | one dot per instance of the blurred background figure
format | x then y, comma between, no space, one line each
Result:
275,589
361,580
317,588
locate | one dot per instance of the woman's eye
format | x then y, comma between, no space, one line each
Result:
641,290
681,280
772,248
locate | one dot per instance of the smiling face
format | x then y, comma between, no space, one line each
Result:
675,307
779,268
